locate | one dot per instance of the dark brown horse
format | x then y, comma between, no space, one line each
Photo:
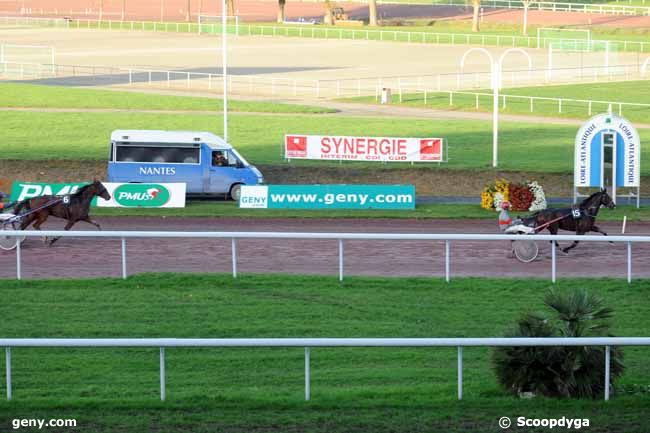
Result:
580,219
73,208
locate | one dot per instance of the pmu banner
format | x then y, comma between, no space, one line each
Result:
328,197
383,149
148,195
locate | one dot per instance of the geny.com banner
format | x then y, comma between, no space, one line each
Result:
328,197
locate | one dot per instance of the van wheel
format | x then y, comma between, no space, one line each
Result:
235,192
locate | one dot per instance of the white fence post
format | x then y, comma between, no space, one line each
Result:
607,362
307,374
162,374
18,267
234,257
629,262
340,259
447,262
460,372
124,275
553,261
8,370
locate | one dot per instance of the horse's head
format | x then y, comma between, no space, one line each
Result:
100,190
606,200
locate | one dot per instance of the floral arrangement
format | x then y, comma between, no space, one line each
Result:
527,196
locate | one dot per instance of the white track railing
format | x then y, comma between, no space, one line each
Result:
308,343
315,88
322,32
405,90
340,237
592,8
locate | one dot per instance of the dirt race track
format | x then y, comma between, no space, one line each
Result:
266,10
87,257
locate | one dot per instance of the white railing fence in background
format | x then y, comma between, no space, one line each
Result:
340,237
533,103
309,343
322,32
76,75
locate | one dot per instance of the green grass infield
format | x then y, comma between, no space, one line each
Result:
243,390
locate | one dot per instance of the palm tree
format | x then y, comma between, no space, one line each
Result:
187,11
372,12
123,9
230,4
101,9
281,4
560,371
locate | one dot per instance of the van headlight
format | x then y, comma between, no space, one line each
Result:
260,179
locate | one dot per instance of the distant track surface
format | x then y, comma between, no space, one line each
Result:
88,257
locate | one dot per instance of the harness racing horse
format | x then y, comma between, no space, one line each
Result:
73,208
581,219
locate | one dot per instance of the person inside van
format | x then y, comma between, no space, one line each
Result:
218,159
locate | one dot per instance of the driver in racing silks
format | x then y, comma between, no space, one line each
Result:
5,206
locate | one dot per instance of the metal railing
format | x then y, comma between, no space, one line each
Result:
583,7
85,75
308,343
340,237
414,93
323,32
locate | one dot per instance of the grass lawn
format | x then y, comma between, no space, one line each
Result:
35,96
630,91
242,390
41,135
422,211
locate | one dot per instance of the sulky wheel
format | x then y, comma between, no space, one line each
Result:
8,242
525,251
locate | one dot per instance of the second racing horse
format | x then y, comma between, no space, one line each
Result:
580,219
73,207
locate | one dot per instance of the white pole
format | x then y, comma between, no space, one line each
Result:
124,259
496,78
8,370
224,58
162,374
18,268
607,361
447,262
307,375
460,372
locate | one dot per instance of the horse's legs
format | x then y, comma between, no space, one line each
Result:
574,244
40,218
67,227
89,221
553,228
599,230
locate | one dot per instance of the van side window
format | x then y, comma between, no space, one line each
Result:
170,155
223,158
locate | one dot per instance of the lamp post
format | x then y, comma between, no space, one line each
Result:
224,59
495,83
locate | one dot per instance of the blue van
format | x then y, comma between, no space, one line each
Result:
205,162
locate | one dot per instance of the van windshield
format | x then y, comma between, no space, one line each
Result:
241,158
158,154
